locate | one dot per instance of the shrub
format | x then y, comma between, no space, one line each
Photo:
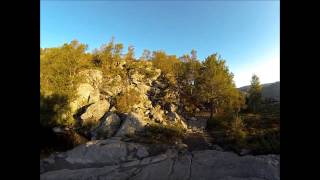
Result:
54,111
59,78
237,130
162,133
126,100
265,142
142,67
220,121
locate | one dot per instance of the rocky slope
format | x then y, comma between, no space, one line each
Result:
95,106
116,159
112,155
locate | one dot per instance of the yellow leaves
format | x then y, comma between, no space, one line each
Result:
125,101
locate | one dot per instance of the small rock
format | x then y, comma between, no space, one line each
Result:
57,130
93,138
182,146
49,160
216,147
142,152
113,109
193,119
244,152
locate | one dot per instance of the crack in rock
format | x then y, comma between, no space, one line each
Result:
135,173
172,167
190,165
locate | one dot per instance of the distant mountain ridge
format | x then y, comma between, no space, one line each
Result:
269,90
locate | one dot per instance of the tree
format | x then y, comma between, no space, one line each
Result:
167,64
193,54
130,54
215,84
189,70
109,57
146,55
192,71
59,78
255,96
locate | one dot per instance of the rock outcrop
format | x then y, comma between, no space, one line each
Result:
107,127
133,123
115,159
88,91
95,111
97,93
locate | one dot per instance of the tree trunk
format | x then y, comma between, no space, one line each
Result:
211,111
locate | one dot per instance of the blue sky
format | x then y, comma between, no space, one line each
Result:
244,33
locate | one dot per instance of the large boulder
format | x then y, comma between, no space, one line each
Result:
108,126
87,91
114,159
86,94
111,151
95,112
134,122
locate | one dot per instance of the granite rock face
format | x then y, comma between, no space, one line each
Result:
115,159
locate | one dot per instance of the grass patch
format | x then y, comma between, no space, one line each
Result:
158,133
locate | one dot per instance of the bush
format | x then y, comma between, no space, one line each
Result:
265,142
142,67
236,132
59,78
155,133
220,121
55,111
126,100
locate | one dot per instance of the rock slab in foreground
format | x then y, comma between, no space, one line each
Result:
114,159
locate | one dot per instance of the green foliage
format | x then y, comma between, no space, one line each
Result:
59,68
188,72
220,120
109,57
142,67
155,133
255,96
54,111
215,85
130,54
125,101
146,55
167,64
265,142
206,85
237,130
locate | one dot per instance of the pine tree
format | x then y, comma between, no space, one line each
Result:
255,95
130,54
215,85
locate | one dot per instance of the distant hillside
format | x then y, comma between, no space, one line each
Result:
269,90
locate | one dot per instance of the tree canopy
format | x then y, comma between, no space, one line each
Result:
207,84
255,95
